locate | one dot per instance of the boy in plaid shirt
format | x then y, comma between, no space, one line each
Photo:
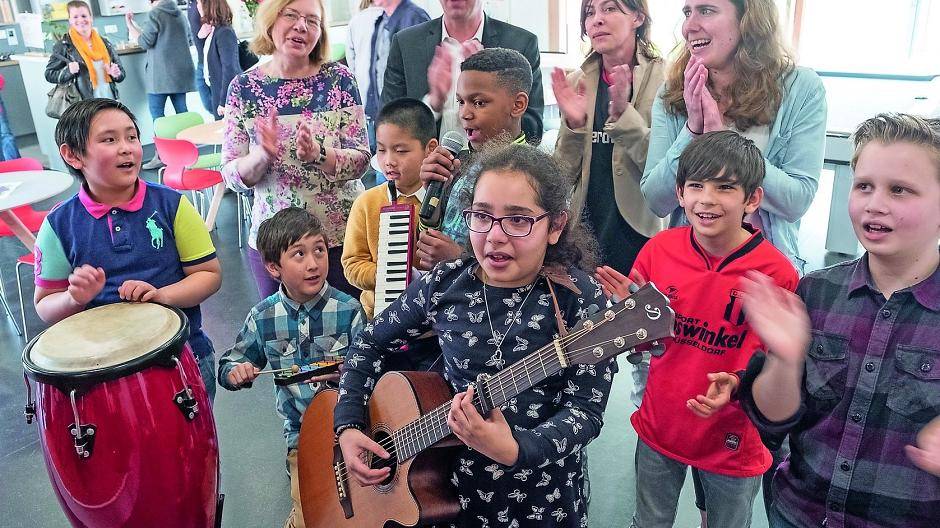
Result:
305,321
852,371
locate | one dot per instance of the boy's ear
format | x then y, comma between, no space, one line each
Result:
679,195
753,202
557,226
429,148
273,269
519,104
70,157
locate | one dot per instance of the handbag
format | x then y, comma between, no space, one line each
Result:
62,96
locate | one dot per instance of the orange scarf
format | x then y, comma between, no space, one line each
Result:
96,52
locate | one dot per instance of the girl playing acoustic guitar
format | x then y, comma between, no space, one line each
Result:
522,464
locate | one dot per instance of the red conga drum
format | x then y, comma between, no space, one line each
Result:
124,419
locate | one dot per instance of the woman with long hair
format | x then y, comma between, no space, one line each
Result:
733,72
220,50
607,104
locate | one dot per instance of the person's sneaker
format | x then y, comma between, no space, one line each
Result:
153,164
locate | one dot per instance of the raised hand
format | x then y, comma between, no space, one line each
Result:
711,114
357,448
716,397
616,286
695,77
85,283
778,317
307,149
266,130
114,70
621,90
926,454
490,436
470,47
440,77
571,102
439,165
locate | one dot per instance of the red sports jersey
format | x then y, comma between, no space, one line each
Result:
711,336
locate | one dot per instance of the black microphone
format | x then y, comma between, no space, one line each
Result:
435,198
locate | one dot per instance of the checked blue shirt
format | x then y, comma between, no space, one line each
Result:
281,333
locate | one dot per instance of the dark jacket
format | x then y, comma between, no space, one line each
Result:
195,23
223,63
166,37
64,52
410,78
405,16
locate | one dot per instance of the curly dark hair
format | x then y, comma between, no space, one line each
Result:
576,247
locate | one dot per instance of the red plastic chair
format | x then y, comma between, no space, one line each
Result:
30,217
179,155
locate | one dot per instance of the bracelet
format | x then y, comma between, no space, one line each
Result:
339,430
694,133
321,159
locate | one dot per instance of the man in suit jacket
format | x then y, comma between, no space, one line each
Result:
463,22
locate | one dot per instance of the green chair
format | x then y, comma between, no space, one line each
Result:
169,126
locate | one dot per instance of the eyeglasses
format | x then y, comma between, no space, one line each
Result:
293,17
512,225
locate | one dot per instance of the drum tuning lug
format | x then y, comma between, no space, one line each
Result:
83,436
29,412
186,403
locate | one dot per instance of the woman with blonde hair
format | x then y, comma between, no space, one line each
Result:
733,72
295,130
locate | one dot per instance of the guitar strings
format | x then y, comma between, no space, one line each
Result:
412,433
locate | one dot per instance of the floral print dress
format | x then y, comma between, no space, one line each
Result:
329,101
552,422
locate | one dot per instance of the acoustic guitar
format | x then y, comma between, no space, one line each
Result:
408,416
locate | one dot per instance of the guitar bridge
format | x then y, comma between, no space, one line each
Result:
342,482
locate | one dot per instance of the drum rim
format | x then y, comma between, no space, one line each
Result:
64,380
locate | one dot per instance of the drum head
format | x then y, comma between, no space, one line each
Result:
110,338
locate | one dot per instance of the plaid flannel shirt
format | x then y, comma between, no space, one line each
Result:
871,382
280,332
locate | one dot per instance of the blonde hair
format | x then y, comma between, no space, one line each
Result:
891,128
365,4
267,15
760,63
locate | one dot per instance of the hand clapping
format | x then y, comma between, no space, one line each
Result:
571,102
307,149
266,129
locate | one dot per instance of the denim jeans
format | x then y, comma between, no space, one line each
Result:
7,139
729,500
205,93
157,103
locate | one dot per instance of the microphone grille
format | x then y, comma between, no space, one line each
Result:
453,141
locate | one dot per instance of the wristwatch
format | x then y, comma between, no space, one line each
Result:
321,159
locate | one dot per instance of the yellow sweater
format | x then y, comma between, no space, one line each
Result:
360,247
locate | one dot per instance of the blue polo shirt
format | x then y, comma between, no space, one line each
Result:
151,238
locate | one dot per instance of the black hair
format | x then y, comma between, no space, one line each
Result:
512,70
723,156
74,126
890,128
285,228
576,247
411,115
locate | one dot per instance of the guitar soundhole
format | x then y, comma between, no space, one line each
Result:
383,439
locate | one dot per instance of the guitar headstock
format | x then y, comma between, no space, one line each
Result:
643,317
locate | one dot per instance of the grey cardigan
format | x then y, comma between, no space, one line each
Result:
166,38
57,69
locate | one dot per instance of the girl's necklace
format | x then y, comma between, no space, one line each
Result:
498,338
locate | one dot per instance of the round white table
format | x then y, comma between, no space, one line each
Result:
28,187
205,134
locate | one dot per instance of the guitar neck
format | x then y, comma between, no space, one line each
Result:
491,392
